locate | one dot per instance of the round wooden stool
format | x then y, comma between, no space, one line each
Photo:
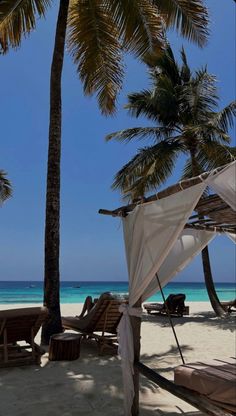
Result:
65,346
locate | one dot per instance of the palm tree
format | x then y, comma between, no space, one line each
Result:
98,32
183,105
5,187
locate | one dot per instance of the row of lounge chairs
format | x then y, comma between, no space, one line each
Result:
101,324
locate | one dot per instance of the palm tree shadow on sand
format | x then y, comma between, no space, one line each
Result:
204,318
90,385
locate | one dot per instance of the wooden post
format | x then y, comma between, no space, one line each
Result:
136,328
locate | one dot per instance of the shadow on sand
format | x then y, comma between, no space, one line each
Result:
204,318
90,385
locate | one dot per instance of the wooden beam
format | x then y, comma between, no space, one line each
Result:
123,210
195,399
212,228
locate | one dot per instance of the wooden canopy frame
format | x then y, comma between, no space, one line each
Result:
211,214
220,216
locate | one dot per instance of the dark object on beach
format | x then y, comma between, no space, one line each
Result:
229,306
76,287
65,346
174,304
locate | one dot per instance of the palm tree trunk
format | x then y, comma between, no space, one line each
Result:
215,302
52,226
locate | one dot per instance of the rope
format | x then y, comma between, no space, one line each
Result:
171,322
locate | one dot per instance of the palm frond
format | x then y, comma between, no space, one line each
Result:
188,17
188,169
148,169
213,155
199,96
210,156
138,133
139,23
141,103
185,69
5,187
94,45
205,133
18,18
225,118
165,64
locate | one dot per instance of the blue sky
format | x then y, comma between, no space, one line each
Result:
91,244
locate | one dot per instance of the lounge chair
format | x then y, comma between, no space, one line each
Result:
100,323
229,306
20,325
174,304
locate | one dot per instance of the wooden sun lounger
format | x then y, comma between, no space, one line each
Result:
174,304
100,323
158,309
18,325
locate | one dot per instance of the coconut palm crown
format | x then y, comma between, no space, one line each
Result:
183,105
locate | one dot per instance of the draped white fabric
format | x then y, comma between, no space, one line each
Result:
156,242
224,184
150,231
126,352
190,243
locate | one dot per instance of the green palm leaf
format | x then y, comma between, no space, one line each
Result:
5,187
139,24
212,155
94,45
182,104
148,169
189,17
138,133
18,18
225,118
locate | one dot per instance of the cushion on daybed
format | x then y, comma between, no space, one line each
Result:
216,379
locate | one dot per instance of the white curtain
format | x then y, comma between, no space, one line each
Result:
224,184
150,231
189,244
154,245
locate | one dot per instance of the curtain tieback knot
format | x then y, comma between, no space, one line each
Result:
128,310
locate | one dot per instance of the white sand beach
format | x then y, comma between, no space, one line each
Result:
92,385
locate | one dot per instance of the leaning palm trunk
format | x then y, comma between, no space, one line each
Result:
215,302
52,237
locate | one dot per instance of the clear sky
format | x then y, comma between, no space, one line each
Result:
91,244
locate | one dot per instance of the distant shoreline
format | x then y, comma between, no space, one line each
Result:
28,292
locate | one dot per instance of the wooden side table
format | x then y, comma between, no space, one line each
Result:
65,346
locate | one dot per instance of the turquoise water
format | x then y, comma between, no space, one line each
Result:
76,292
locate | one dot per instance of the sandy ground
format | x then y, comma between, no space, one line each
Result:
92,384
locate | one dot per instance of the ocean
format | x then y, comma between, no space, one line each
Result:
75,292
